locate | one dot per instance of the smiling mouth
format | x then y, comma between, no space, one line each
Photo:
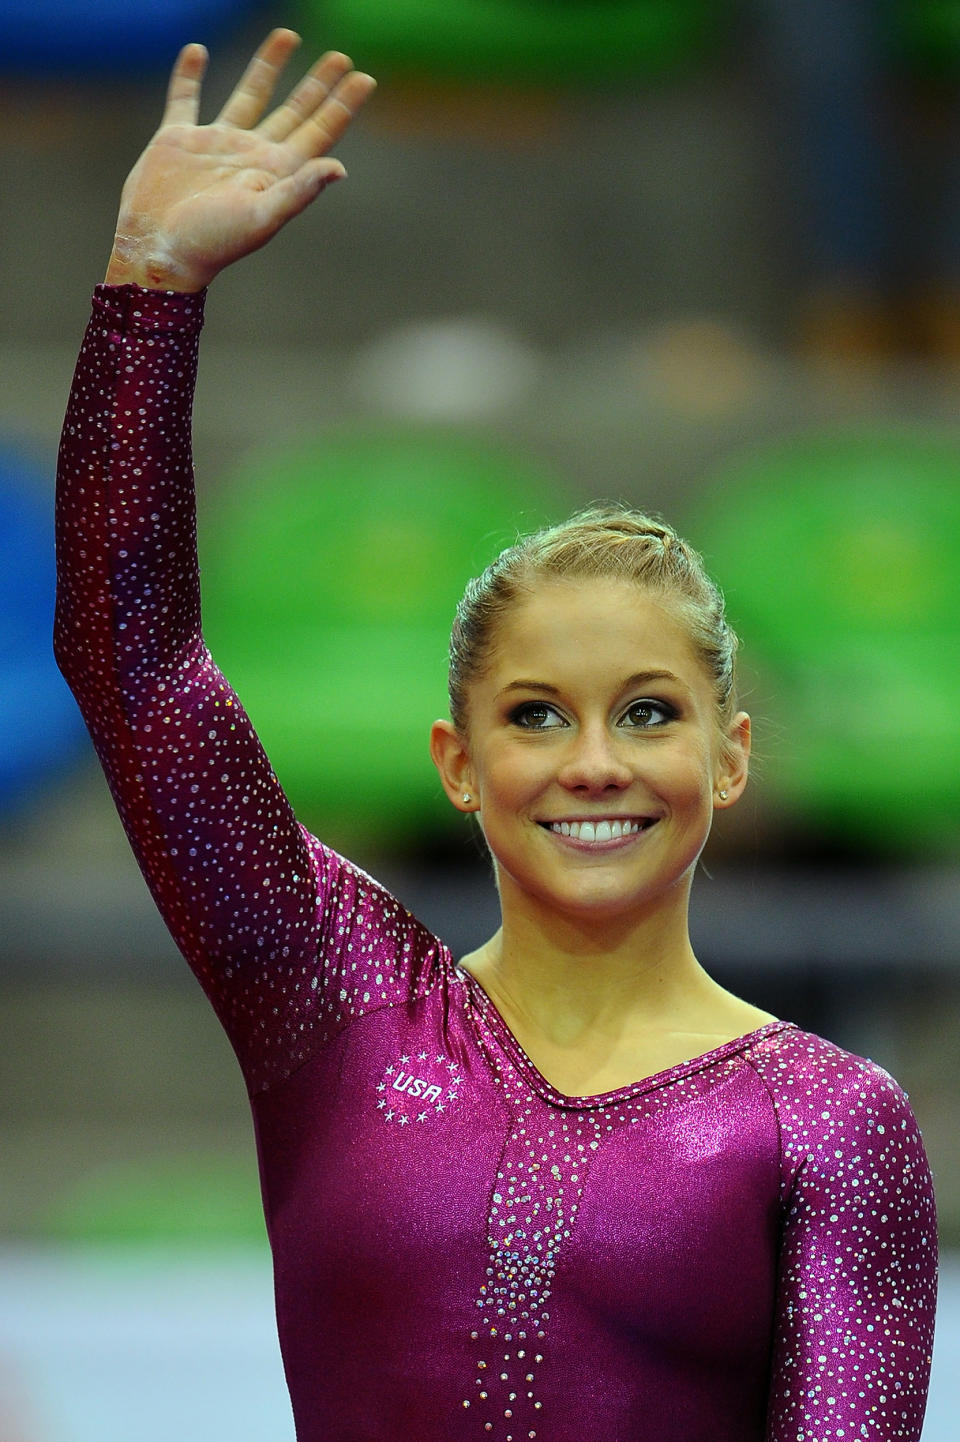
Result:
612,829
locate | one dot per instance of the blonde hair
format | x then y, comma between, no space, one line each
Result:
603,541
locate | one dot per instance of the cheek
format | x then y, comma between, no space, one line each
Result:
510,775
505,776
688,775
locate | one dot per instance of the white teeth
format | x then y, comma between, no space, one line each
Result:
596,830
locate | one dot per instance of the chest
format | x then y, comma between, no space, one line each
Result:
404,1161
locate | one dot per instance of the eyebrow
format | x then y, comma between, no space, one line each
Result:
639,678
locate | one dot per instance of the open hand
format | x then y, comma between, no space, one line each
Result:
202,196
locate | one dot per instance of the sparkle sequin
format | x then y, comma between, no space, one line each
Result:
740,1249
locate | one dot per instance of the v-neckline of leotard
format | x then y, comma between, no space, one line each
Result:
552,1094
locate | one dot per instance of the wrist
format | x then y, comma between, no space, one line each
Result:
152,267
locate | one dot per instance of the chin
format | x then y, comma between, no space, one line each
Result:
599,905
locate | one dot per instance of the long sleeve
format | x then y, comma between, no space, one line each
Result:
289,940
857,1268
231,871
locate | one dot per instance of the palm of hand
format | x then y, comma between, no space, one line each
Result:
198,195
202,196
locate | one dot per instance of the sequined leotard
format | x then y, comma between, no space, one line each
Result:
739,1248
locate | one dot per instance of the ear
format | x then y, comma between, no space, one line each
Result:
451,758
734,763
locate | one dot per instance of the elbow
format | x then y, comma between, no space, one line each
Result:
64,663
65,654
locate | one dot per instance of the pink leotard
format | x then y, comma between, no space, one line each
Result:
740,1248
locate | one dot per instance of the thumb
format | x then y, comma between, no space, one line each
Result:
294,193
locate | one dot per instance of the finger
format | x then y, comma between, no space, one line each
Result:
281,202
321,130
253,91
293,194
183,92
309,95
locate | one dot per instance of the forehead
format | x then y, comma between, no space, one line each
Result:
593,626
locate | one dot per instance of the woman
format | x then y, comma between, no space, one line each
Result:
569,1188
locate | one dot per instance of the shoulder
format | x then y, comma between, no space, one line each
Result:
805,1067
831,1104
364,926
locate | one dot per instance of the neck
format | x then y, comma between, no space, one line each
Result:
568,976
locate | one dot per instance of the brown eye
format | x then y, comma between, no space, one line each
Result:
644,715
536,716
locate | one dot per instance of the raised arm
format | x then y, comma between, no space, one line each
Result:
230,869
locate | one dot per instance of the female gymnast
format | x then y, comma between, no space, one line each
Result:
566,1188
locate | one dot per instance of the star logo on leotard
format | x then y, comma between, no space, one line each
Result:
417,1087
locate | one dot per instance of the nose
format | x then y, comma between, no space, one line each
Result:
594,762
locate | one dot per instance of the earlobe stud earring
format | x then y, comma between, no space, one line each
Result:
467,798
723,794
